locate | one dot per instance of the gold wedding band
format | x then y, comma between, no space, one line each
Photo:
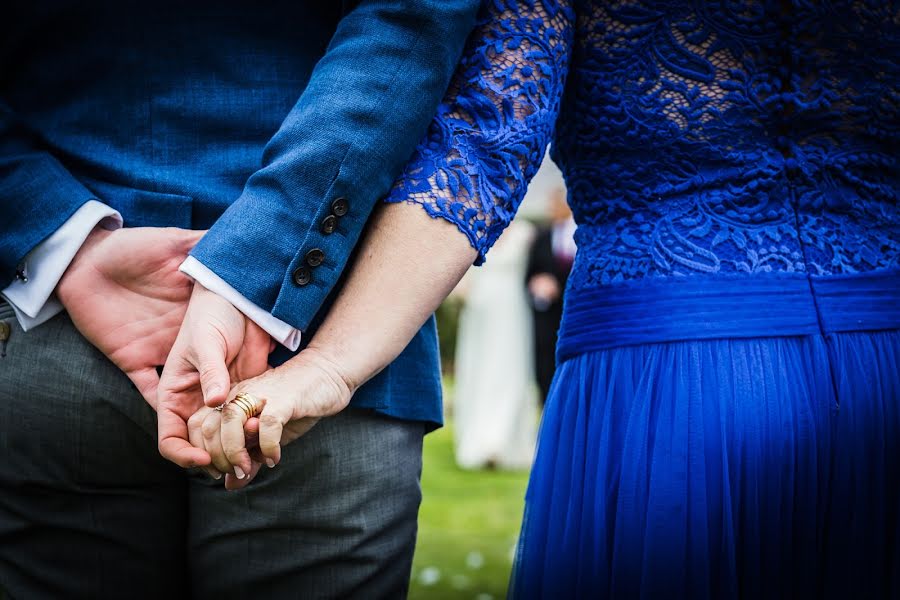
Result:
250,404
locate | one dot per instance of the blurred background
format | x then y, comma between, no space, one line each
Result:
497,335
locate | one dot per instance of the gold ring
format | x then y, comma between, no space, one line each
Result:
250,404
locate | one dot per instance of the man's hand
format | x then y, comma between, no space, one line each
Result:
124,293
216,345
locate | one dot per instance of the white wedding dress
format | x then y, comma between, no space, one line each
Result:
495,402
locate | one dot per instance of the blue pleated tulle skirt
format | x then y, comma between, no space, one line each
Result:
757,467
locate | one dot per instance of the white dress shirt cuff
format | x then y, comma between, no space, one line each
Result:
280,331
32,298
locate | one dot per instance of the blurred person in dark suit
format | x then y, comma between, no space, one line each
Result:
549,263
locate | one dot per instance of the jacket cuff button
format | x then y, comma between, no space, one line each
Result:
302,276
315,257
340,207
329,224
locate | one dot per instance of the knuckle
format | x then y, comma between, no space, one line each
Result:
196,420
269,420
209,428
209,365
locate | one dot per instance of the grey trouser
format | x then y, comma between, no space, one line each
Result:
88,508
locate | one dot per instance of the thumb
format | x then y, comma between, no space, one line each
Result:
214,379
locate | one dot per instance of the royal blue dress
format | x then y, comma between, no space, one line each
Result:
725,418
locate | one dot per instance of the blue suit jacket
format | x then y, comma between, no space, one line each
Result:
276,126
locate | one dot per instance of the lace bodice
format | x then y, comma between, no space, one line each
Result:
703,137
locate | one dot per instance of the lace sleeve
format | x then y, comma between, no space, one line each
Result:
493,126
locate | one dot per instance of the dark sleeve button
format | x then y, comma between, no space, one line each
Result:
302,275
340,207
315,257
329,224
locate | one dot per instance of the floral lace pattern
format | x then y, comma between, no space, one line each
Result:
720,136
492,129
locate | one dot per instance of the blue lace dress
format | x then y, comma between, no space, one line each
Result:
725,419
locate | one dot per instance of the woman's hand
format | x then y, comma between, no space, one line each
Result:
295,396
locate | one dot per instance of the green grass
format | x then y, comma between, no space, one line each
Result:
468,526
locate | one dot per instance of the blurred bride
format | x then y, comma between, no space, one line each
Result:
495,404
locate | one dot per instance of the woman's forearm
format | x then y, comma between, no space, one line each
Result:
407,264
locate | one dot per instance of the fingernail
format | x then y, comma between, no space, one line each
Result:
270,462
213,391
217,476
239,472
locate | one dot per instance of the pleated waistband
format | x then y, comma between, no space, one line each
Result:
696,308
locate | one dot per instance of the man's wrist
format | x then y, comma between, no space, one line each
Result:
281,332
71,279
33,296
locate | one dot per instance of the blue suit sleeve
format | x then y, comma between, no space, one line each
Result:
37,193
492,129
285,241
